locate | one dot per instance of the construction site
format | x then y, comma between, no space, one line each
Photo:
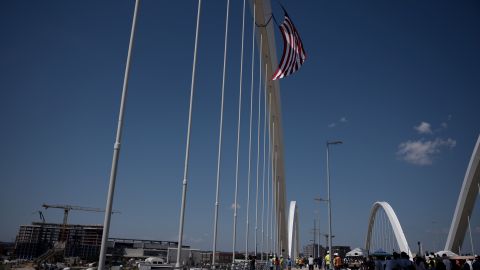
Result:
47,245
45,242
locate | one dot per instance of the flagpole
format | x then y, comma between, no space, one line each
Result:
116,147
187,148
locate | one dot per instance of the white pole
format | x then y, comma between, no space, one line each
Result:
219,154
274,190
270,135
258,141
263,171
319,237
269,160
330,205
250,138
329,215
238,141
187,148
116,147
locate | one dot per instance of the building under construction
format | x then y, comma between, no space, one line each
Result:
37,242
81,241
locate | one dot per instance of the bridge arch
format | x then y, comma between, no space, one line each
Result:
466,202
293,243
397,228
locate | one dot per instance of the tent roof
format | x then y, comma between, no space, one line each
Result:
357,252
447,252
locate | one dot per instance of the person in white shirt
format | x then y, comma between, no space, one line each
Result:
310,263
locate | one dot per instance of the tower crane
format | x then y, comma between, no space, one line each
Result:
66,209
59,246
42,217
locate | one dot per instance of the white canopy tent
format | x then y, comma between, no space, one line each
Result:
357,252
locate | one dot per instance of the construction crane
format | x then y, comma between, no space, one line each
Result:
59,246
66,209
40,214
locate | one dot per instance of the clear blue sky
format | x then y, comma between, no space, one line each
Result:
398,81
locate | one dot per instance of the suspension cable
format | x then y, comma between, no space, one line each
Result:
250,140
219,154
258,139
263,171
238,141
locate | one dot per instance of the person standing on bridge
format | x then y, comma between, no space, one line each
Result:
270,263
476,263
310,263
327,261
252,262
337,261
392,264
447,262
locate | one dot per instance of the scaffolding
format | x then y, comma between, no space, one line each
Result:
82,241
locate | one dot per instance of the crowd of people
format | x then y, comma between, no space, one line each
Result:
396,261
428,262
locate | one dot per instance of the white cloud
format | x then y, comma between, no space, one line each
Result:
444,125
421,152
233,206
424,128
342,120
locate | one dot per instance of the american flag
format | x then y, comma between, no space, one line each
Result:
293,52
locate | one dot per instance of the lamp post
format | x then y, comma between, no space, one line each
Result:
319,200
329,200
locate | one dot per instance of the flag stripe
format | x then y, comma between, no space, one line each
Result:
293,52
285,48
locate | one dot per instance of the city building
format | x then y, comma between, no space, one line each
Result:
314,250
122,249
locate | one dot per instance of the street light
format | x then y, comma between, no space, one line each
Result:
319,200
329,200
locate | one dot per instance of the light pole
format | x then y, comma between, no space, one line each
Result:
329,200
319,200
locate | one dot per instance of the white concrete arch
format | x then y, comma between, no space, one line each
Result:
397,228
293,244
466,202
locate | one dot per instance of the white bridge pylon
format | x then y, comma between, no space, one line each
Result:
293,243
397,228
466,202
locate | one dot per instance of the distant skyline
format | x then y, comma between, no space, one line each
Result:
397,82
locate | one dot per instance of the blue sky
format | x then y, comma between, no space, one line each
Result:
397,81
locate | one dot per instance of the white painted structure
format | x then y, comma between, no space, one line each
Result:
466,202
265,28
293,237
397,228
